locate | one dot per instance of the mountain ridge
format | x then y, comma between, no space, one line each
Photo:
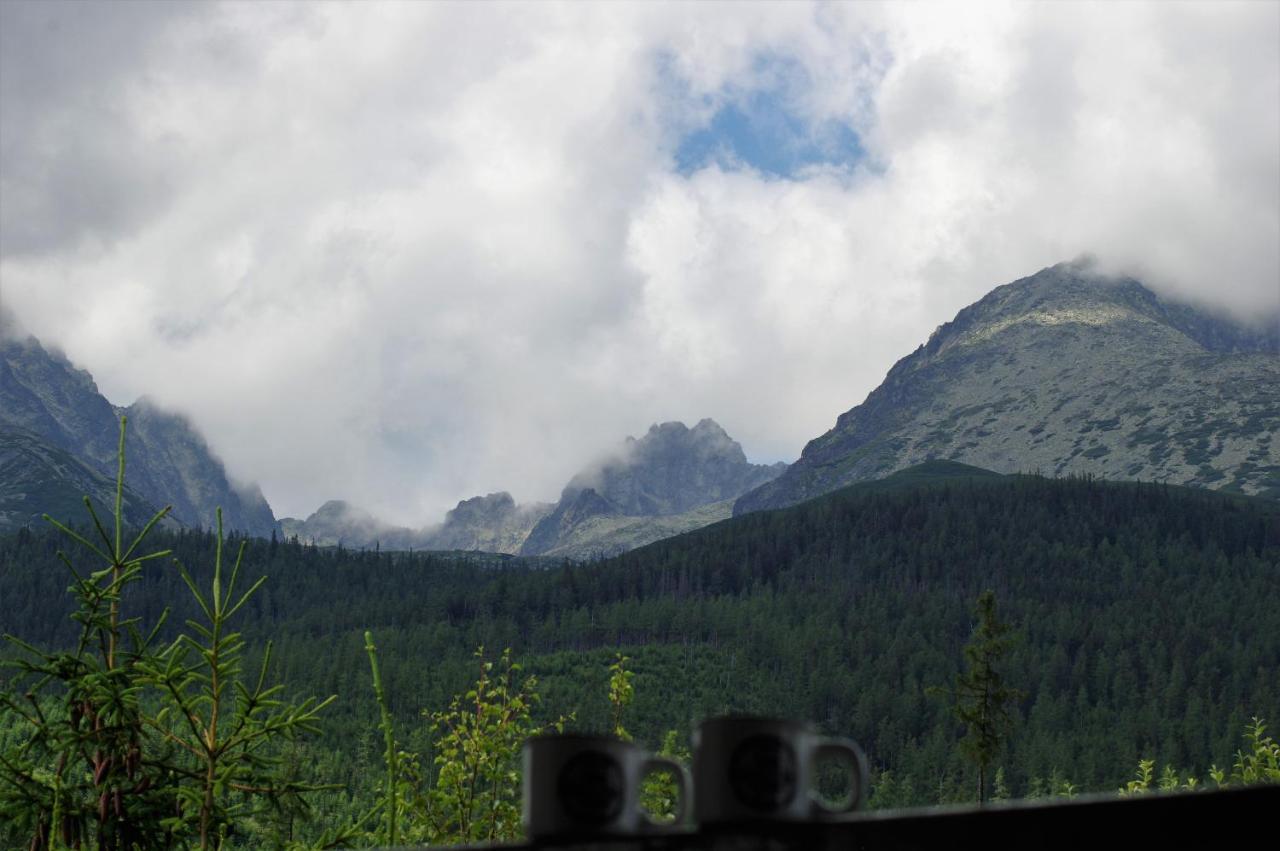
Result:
1065,371
672,471
42,393
670,480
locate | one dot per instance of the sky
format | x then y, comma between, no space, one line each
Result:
406,253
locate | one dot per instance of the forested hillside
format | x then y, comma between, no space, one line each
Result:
1148,621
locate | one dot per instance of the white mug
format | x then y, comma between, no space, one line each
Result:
752,769
579,785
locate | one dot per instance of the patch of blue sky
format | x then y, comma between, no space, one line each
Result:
764,127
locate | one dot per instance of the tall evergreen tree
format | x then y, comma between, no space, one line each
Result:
982,700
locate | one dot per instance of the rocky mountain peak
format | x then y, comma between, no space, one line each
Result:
671,470
482,509
338,522
493,523
178,461
1066,371
674,442
1077,294
339,509
43,393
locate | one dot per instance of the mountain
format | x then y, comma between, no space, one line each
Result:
1066,372
672,480
492,523
338,523
173,459
37,478
674,472
44,396
601,535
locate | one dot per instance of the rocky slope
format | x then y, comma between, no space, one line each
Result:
604,535
1066,372
37,478
492,523
174,459
169,463
672,471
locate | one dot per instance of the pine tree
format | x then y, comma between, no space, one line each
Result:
129,745
982,700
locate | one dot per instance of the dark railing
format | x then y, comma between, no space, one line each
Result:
1226,819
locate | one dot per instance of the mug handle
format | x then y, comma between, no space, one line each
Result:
848,750
682,780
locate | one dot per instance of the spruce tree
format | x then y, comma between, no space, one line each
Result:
126,744
982,700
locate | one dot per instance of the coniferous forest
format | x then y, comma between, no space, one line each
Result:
1145,625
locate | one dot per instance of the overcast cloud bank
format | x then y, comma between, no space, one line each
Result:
402,254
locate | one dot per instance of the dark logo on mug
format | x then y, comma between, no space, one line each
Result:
762,772
591,788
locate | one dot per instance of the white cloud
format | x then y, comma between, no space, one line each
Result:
402,254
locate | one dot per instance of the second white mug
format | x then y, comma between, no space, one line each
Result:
751,769
579,785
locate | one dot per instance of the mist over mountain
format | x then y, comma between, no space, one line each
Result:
174,459
1067,371
673,479
672,471
338,523
492,523
59,438
44,396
